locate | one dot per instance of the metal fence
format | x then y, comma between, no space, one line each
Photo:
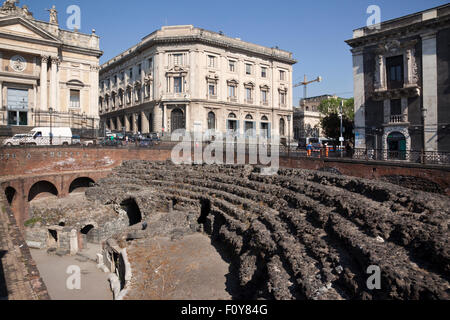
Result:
419,157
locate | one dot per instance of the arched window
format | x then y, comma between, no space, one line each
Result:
211,121
249,117
232,116
264,118
282,127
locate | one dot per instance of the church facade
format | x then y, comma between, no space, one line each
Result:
182,77
47,75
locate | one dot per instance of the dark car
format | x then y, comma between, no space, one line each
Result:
146,143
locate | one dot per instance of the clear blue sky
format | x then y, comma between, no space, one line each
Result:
314,31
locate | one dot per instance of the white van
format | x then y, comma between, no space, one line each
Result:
41,136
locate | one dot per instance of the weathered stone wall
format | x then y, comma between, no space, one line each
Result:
19,276
305,234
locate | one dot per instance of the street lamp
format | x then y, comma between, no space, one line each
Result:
50,110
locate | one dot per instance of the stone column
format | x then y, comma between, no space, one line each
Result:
111,124
134,119
53,84
157,119
360,114
44,84
145,122
127,124
94,88
429,69
4,114
188,118
165,119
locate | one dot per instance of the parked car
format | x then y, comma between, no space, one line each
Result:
146,143
89,143
76,140
49,136
16,140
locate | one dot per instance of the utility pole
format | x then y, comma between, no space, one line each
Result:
305,83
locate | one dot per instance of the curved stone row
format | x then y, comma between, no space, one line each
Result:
302,234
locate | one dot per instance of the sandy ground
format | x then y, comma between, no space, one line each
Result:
186,269
94,283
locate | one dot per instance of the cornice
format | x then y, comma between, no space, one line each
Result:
428,27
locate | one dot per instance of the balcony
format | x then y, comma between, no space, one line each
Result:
249,101
396,119
232,99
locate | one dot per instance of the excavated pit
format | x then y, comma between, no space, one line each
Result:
299,234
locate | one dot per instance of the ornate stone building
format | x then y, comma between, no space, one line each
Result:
46,73
402,92
181,77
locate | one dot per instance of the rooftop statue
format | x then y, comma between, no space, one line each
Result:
53,15
9,8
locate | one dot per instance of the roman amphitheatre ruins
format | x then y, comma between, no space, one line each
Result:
225,232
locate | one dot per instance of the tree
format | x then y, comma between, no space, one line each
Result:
331,126
332,106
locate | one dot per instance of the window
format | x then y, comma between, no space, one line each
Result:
129,96
122,76
120,97
248,69
283,98
139,69
177,85
248,94
211,61
231,91
131,73
211,121
178,59
396,107
232,123
264,96
150,64
263,72
107,84
212,90
232,65
395,74
282,127
282,75
115,80
74,98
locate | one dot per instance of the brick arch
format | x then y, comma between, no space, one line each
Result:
11,194
80,182
41,187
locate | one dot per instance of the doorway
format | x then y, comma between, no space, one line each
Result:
396,142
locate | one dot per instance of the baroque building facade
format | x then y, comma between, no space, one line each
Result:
181,77
47,75
402,92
